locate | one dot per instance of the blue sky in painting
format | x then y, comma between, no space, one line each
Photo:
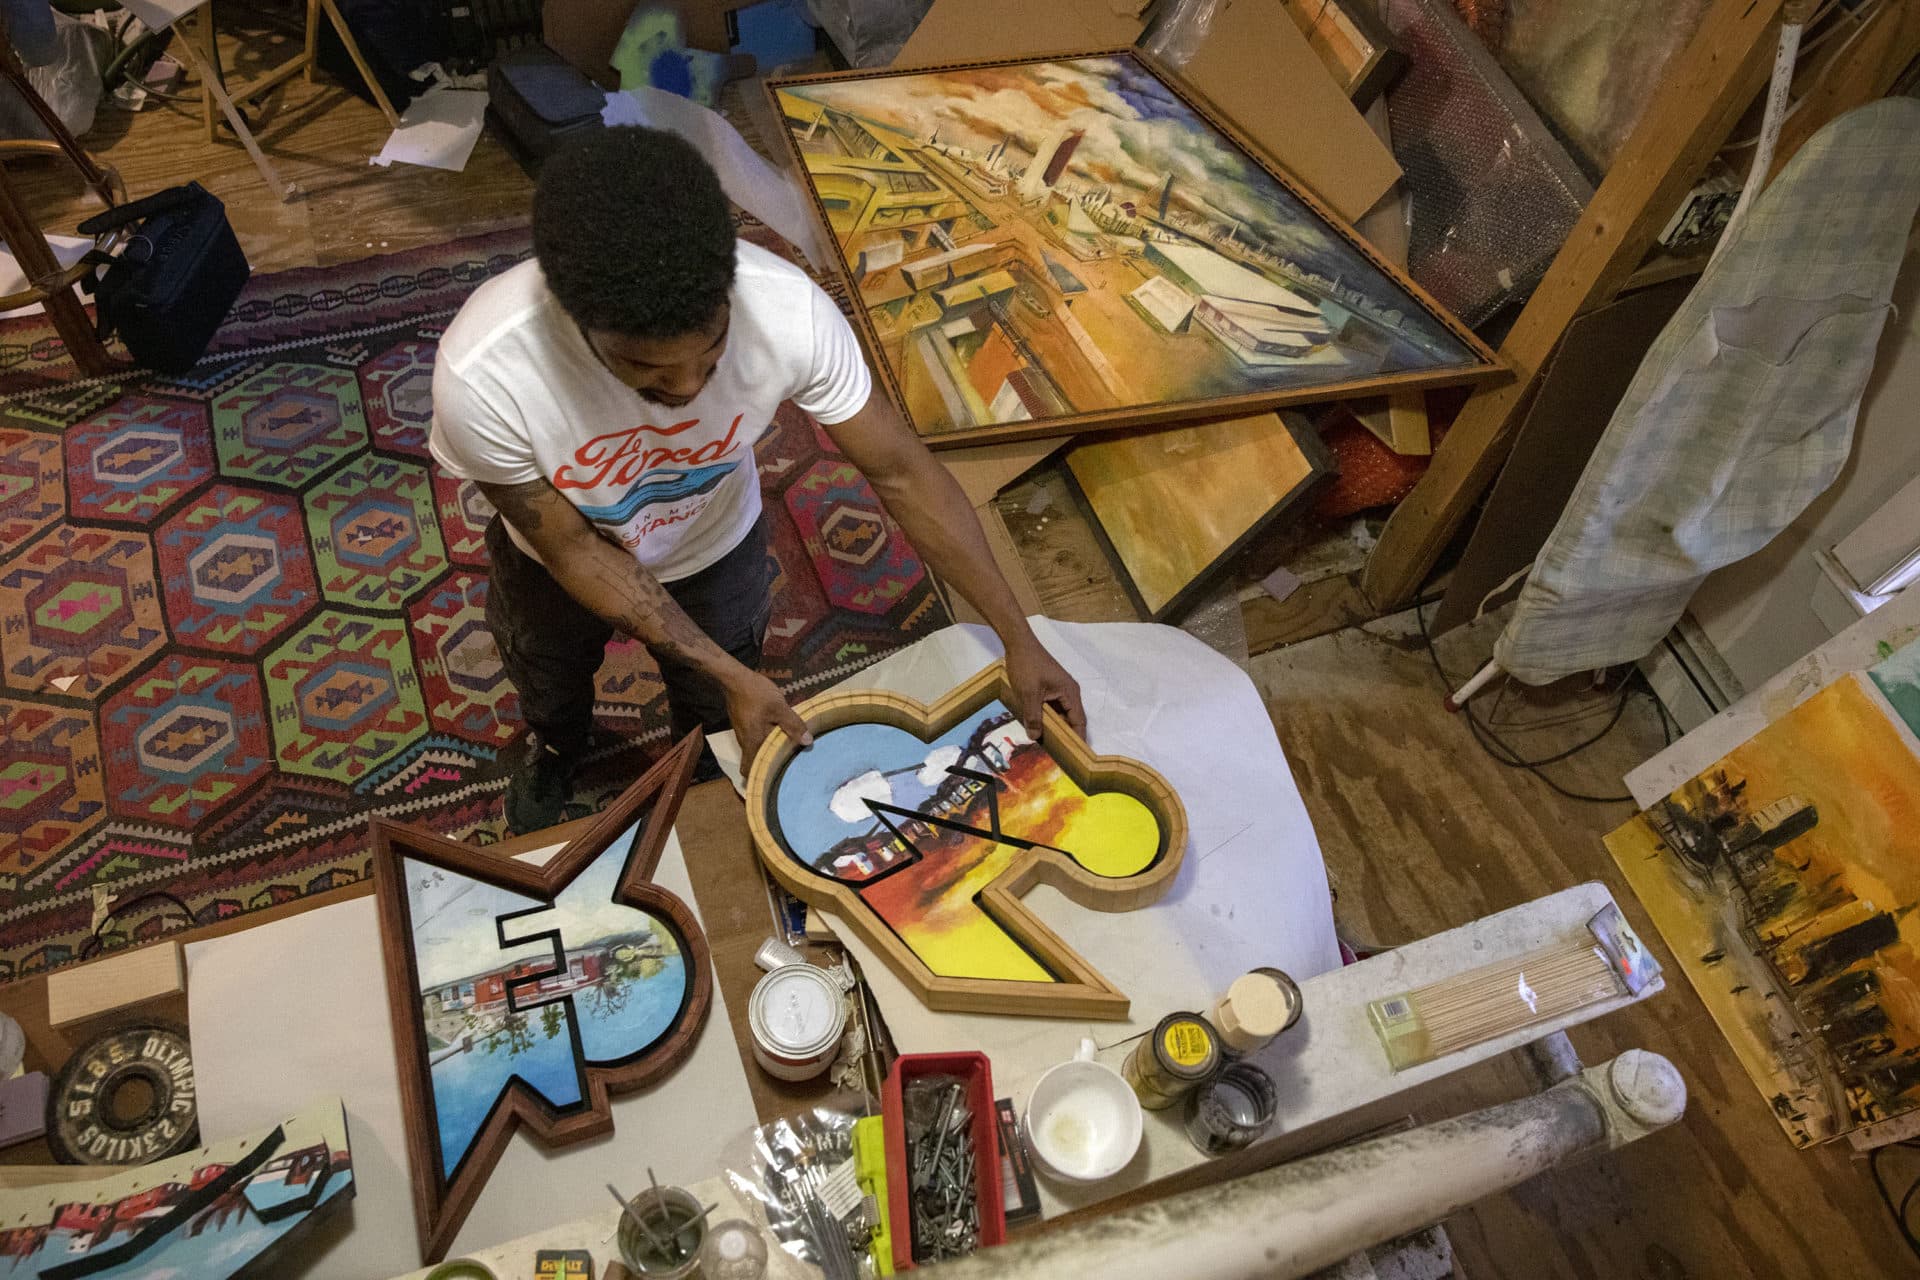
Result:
840,755
456,937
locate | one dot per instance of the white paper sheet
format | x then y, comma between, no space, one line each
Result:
160,14
437,130
67,250
1251,891
749,181
298,1008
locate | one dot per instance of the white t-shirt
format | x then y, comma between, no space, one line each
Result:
518,396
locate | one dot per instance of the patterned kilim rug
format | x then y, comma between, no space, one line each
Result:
240,611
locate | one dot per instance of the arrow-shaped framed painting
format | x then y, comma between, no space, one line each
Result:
921,828
524,995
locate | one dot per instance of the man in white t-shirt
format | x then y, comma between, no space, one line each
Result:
606,397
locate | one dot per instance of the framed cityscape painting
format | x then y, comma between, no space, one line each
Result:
1036,247
524,995
921,828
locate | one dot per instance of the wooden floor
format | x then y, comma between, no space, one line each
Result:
1423,831
318,137
1420,828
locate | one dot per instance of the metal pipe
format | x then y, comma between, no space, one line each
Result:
1552,1059
1297,1218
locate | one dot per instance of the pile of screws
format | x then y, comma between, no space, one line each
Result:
940,1169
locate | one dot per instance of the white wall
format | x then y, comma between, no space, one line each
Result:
1757,613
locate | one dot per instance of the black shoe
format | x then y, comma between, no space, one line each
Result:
538,792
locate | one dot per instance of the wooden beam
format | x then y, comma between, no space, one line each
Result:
1705,89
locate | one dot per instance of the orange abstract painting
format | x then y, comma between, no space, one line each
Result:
1785,878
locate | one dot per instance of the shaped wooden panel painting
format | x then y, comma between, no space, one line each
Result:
525,995
236,1207
920,828
1785,879
1039,246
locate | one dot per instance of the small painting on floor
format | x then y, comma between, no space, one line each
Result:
1785,879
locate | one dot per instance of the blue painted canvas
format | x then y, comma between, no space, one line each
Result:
516,989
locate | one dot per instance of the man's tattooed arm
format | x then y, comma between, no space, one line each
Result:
605,578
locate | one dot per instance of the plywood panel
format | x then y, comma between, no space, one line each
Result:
1175,505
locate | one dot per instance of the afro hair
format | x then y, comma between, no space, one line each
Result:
634,234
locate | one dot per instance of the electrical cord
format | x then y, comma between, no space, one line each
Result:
93,941
1899,1211
1502,752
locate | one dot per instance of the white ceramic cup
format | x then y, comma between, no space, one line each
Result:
1082,1122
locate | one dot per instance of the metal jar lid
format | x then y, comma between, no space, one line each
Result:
1186,1047
1256,1008
797,1012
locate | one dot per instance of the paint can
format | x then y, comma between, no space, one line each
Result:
1164,1067
797,1014
1229,1111
1257,1007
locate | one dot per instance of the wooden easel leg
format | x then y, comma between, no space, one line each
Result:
313,36
360,62
194,43
29,245
285,190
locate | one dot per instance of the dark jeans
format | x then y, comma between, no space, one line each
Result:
551,644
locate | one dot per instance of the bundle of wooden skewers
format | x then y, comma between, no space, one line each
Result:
1470,1008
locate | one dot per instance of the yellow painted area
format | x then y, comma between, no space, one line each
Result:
952,934
1110,834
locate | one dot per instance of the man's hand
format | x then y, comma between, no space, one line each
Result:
755,707
1038,681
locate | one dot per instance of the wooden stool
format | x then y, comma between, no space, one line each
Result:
303,61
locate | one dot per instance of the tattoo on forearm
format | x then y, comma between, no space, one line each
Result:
521,503
610,582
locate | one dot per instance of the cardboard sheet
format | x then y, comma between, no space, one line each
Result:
1251,62
1252,890
438,130
297,1008
749,181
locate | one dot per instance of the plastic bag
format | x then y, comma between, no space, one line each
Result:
69,82
803,1180
868,33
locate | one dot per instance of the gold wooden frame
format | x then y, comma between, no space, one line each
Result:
1483,363
1082,991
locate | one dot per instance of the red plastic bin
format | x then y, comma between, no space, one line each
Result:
972,1068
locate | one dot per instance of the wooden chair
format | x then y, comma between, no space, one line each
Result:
47,282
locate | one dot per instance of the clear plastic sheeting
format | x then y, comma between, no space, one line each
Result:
1179,30
868,33
1492,195
1592,68
67,79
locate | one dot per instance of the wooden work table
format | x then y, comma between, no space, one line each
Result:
730,898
